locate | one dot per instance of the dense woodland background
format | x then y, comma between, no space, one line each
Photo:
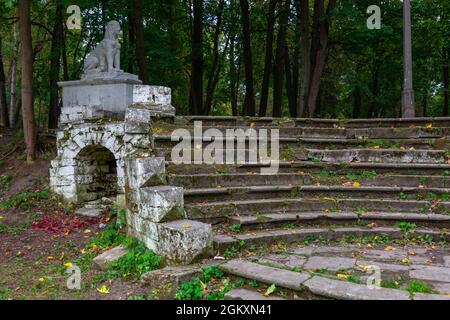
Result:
295,58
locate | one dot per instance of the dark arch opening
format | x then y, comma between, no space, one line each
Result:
96,173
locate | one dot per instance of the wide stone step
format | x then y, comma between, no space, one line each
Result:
310,285
340,168
365,178
246,295
368,135
323,123
379,156
288,236
313,191
309,218
222,209
291,141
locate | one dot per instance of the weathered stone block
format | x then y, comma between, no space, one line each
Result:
137,115
102,261
145,172
184,241
161,204
143,94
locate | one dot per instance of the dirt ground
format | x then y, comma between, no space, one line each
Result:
39,242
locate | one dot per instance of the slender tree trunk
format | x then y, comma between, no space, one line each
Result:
375,89
408,103
13,105
140,42
233,82
213,74
131,39
268,59
249,103
55,66
279,64
320,57
289,84
196,93
4,112
303,8
445,80
29,122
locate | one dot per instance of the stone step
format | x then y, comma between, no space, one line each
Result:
311,167
288,236
222,209
312,191
317,286
308,218
379,156
162,142
324,123
386,133
365,178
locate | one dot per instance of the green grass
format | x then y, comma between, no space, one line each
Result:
25,200
406,226
5,181
236,228
420,287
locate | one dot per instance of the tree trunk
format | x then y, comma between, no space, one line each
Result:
268,59
289,84
303,8
29,122
196,92
131,39
233,76
445,80
4,114
249,102
319,57
55,66
279,64
215,68
13,105
140,41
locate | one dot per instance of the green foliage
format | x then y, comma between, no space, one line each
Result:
406,226
137,261
212,273
236,228
5,181
25,200
192,290
420,287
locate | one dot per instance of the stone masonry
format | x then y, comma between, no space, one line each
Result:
105,143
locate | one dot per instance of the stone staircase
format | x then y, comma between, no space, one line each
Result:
336,178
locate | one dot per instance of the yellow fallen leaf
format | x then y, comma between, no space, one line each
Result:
186,226
49,258
357,184
429,126
406,261
108,219
343,276
68,264
41,280
270,290
61,257
364,268
390,248
1,218
103,290
94,246
376,147
369,246
87,231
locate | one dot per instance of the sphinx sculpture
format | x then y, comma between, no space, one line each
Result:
106,56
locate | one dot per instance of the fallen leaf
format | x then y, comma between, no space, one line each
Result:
61,257
390,248
1,218
186,226
406,261
103,290
357,184
343,276
49,258
41,280
270,290
87,231
429,126
68,264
